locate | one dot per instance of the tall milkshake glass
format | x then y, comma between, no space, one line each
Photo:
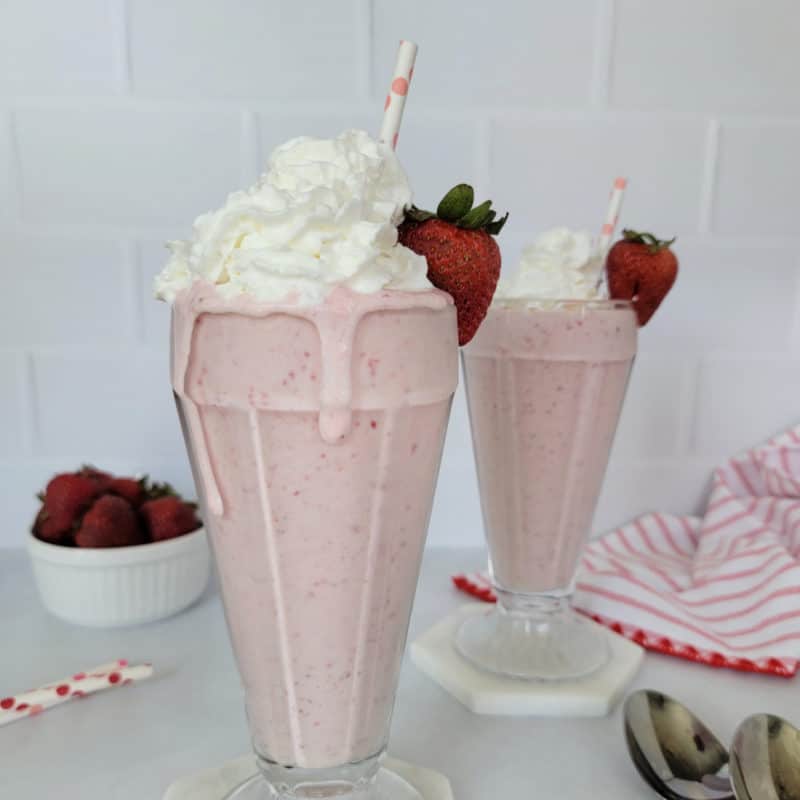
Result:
315,438
313,366
545,383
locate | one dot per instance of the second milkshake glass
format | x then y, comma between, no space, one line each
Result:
545,384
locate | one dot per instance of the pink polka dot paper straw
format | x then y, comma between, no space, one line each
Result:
398,91
612,215
607,232
79,684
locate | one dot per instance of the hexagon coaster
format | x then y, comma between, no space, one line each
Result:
593,696
216,783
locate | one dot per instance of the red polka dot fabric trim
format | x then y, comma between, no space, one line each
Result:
476,586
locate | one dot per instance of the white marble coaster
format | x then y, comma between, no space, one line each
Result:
215,783
593,696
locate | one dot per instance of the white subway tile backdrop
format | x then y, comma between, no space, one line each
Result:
759,174
709,56
58,48
121,120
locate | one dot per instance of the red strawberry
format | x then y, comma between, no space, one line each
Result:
641,268
110,522
66,497
463,258
37,524
168,517
100,477
129,488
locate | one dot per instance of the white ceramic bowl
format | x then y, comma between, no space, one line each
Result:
116,586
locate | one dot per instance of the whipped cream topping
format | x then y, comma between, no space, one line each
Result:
560,265
324,214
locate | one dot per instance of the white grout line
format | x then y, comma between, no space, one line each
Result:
250,143
603,55
99,231
29,426
132,279
94,351
118,12
114,232
482,164
15,170
794,327
687,430
687,402
586,112
709,177
364,48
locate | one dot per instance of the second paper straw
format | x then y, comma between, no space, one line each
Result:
614,206
398,91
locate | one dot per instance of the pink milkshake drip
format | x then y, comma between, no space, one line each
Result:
336,338
320,430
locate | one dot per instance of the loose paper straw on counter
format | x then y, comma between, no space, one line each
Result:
612,215
97,679
398,90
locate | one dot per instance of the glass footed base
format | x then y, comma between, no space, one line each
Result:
528,637
387,785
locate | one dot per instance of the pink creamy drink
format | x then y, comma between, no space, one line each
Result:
546,376
314,365
315,434
545,388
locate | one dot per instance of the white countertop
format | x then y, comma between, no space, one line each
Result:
130,744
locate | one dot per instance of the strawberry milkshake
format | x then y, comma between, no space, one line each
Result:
314,365
546,376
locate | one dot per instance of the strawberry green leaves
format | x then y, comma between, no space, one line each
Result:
415,214
456,203
456,207
653,243
477,217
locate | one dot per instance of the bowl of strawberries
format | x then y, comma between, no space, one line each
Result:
110,551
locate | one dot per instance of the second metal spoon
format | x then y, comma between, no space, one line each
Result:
674,751
765,759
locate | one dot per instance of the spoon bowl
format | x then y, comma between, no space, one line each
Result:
674,751
765,759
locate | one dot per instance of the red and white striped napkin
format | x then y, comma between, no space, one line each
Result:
722,589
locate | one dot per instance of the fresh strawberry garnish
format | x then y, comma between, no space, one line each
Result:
66,497
110,522
642,269
131,489
463,257
168,517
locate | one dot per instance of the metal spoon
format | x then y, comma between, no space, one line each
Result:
674,751
765,759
